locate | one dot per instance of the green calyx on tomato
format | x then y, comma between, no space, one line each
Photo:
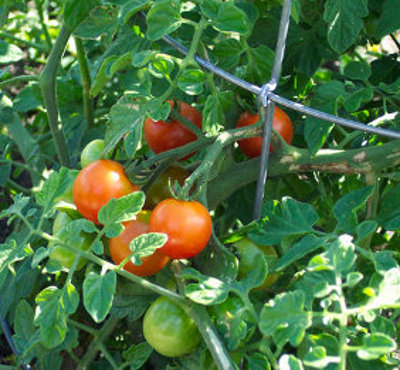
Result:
169,330
162,136
97,184
92,152
160,189
281,123
187,224
63,255
248,251
119,248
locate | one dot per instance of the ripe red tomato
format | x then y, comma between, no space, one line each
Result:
97,184
187,224
160,190
281,123
119,248
169,329
162,136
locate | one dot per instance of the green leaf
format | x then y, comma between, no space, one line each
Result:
283,219
119,210
125,116
75,11
163,18
10,53
257,361
213,111
101,20
304,246
10,253
24,327
353,278
383,325
145,245
317,131
285,316
345,209
131,300
357,71
345,22
161,66
207,290
98,294
389,210
158,110
339,256
230,18
354,101
29,98
5,172
191,81
290,362
365,230
393,88
376,345
261,60
130,8
386,290
390,18
54,306
137,354
317,358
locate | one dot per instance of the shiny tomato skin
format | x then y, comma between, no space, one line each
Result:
162,136
97,184
119,248
160,190
281,123
169,330
187,224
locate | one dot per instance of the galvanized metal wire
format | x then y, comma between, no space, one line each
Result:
267,98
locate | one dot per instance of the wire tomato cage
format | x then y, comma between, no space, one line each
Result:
267,100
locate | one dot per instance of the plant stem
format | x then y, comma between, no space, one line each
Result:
18,188
84,327
397,43
43,24
86,82
343,324
18,79
93,349
10,36
48,82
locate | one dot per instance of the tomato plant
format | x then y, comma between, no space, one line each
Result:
92,152
187,224
97,184
248,252
169,330
162,136
136,80
281,123
61,254
160,189
119,248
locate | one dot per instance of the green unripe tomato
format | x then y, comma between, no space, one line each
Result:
169,330
62,254
248,251
92,152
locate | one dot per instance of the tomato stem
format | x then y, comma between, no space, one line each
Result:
86,82
48,82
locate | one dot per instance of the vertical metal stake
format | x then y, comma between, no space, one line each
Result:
267,116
